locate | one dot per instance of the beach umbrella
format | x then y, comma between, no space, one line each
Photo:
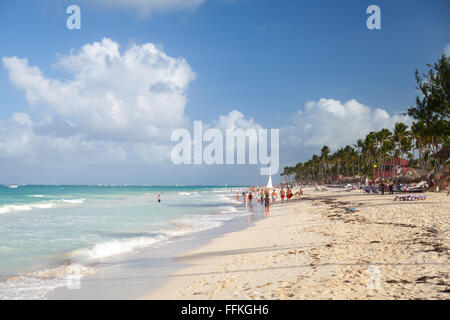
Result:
443,154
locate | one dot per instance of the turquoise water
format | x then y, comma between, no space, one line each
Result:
46,229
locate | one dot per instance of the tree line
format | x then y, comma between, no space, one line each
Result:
418,143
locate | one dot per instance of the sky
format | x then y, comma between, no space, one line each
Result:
97,105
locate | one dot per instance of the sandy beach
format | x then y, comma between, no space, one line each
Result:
314,249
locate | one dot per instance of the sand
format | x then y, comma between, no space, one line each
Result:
314,249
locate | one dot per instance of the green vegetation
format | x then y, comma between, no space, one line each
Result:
429,133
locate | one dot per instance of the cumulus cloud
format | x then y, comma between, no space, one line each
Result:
235,120
138,95
23,141
335,124
56,141
121,107
114,107
20,141
15,136
145,7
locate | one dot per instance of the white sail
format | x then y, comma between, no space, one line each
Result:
269,183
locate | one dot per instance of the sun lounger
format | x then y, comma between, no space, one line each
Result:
414,189
409,198
371,190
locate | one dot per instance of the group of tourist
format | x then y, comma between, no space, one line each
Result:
266,196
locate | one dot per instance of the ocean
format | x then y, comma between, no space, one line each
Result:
47,231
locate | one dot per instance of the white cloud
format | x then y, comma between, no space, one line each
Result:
15,136
138,95
54,141
116,107
23,141
20,142
324,122
121,108
235,120
335,124
145,7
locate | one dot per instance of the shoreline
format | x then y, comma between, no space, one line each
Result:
200,264
313,249
130,276
107,264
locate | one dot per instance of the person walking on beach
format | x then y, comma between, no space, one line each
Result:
282,195
391,188
267,204
274,196
159,197
262,196
237,196
250,197
382,188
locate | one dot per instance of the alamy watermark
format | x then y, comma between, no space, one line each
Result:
374,20
374,279
74,20
73,281
229,150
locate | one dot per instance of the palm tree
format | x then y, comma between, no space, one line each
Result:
298,172
324,152
287,171
370,145
432,107
417,131
348,154
400,133
382,136
359,145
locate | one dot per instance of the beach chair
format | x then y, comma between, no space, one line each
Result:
409,198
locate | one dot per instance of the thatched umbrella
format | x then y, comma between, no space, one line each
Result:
361,179
443,154
413,175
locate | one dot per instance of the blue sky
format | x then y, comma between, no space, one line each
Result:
264,58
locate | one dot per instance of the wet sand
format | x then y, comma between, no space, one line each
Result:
314,249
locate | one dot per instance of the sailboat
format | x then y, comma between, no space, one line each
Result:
269,183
